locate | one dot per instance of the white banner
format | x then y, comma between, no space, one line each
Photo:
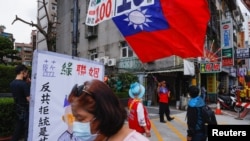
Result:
101,10
53,77
189,68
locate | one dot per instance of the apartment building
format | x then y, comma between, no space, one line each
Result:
26,49
104,43
25,53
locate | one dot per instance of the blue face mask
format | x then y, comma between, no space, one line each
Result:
82,131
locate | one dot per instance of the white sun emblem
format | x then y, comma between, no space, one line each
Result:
138,18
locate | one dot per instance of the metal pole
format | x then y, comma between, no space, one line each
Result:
75,28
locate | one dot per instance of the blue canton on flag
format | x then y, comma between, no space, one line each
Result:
147,18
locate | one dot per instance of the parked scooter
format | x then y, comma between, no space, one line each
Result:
228,101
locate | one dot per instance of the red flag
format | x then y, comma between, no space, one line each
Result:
166,28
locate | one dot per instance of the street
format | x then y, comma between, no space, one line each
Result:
176,129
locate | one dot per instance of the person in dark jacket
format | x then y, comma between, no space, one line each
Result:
196,128
20,90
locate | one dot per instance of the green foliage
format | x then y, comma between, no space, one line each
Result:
12,55
126,79
7,116
7,74
5,43
123,94
121,83
5,46
6,49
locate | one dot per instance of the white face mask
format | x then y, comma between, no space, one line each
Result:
82,131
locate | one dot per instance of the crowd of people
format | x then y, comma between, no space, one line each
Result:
96,114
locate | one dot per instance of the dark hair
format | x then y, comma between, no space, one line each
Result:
98,99
194,91
20,68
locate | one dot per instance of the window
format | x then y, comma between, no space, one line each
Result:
91,31
93,54
126,51
54,6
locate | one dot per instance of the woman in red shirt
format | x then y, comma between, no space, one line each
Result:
164,94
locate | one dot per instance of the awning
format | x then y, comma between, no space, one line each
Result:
168,70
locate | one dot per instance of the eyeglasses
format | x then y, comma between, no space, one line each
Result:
79,89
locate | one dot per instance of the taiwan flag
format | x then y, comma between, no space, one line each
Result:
166,28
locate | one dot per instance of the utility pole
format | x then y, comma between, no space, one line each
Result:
75,28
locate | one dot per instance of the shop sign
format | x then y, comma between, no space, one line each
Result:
226,28
227,62
242,53
211,83
211,67
227,57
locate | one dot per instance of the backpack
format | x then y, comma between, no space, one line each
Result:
208,115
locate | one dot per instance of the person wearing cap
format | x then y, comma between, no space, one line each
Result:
196,127
164,94
138,118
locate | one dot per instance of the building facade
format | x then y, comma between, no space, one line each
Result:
25,53
104,43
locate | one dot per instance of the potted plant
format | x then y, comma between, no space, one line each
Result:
7,117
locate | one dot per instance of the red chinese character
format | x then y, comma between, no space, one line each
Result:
94,72
216,67
81,69
208,67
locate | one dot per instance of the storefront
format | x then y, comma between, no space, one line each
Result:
178,84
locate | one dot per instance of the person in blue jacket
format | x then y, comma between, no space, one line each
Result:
196,127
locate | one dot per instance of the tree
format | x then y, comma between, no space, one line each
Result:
50,34
6,50
2,28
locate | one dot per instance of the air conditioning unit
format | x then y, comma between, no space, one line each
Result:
97,59
104,60
112,62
